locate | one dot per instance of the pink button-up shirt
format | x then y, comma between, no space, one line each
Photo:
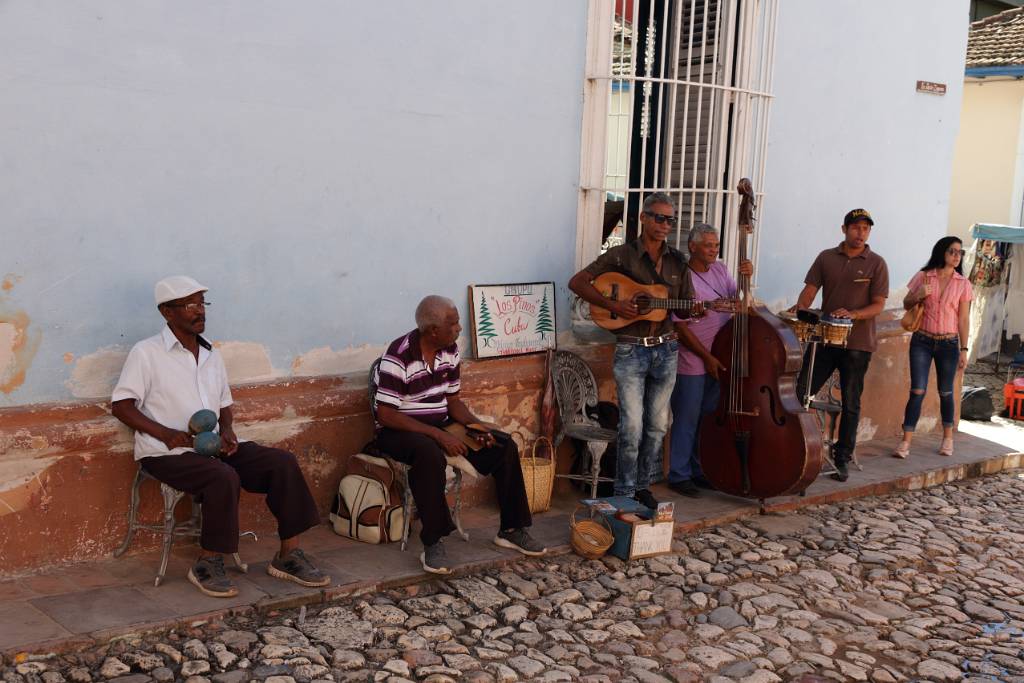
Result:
941,316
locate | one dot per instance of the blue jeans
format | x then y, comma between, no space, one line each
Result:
693,397
946,354
644,377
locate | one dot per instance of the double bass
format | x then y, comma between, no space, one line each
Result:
760,441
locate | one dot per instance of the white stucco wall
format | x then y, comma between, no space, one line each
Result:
987,163
849,130
320,165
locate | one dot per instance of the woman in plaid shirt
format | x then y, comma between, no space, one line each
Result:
946,295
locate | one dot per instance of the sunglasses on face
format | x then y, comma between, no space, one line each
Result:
953,251
193,307
662,218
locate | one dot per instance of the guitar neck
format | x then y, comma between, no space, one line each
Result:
677,304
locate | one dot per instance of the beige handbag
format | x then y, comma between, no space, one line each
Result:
911,321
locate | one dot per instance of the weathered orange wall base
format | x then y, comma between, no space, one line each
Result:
65,469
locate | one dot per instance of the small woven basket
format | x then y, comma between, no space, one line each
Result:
539,477
589,538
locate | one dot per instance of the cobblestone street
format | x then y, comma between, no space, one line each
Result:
927,585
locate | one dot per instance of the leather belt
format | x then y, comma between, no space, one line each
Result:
938,337
646,341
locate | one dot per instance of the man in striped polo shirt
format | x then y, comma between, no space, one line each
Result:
418,384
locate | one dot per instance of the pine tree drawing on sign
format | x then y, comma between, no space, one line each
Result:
544,318
484,326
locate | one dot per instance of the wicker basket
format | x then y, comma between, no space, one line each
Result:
539,477
589,538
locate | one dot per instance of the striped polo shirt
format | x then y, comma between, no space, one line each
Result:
406,382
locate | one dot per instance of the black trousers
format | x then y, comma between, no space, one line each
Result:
217,481
852,366
427,479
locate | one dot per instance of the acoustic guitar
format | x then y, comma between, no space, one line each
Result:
651,301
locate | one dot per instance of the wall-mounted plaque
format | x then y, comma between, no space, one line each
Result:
933,88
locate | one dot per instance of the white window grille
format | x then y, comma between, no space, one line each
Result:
676,99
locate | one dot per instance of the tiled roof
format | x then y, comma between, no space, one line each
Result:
997,40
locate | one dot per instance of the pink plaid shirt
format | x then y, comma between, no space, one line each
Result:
942,316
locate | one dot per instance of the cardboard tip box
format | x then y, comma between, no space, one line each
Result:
639,531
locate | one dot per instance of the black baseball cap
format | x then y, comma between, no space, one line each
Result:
858,215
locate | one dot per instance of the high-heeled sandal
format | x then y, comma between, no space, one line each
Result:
947,447
902,451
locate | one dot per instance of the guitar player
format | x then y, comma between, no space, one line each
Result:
645,351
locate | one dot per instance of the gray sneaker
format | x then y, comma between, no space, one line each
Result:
298,568
521,540
208,575
434,559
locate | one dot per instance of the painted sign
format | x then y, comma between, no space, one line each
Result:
509,320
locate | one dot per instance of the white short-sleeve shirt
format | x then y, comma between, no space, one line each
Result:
169,385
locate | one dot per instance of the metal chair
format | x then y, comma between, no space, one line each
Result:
575,390
453,477
170,528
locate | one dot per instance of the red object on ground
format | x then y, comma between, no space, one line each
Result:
1013,395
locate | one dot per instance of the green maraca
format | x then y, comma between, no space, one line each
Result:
202,421
207,443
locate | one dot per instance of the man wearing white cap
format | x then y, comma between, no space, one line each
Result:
165,380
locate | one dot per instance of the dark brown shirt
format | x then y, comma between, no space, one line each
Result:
632,260
851,283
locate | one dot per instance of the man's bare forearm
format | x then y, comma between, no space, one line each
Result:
806,297
582,285
127,412
460,412
227,418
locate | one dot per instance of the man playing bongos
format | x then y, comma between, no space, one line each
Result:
855,284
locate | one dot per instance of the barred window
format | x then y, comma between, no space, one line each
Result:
676,99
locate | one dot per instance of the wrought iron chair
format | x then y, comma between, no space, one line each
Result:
453,477
171,528
575,390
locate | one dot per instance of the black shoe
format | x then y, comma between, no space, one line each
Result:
647,498
207,574
521,540
298,568
686,487
434,559
702,483
841,473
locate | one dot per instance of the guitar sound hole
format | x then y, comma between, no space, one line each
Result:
643,304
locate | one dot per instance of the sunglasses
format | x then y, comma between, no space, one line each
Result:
953,251
662,218
193,307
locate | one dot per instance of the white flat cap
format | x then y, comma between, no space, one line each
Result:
176,287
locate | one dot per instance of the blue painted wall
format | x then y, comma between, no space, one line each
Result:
320,165
848,129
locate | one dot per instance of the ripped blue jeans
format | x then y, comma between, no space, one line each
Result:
946,354
644,377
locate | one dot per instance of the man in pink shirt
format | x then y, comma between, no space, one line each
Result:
696,390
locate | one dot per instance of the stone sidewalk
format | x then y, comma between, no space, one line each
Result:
92,602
